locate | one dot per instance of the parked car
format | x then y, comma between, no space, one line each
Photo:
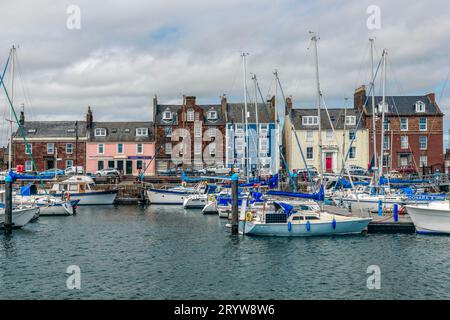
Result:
74,170
219,170
306,173
357,171
107,173
51,173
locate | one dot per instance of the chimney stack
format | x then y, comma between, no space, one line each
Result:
359,98
190,101
224,106
432,97
155,107
288,106
89,118
22,118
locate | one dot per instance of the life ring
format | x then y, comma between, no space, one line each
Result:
248,216
211,198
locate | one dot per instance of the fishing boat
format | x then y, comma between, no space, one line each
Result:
82,188
433,217
173,196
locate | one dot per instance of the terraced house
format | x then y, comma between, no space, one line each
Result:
53,144
189,135
413,131
128,147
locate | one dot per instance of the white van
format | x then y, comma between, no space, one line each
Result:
72,170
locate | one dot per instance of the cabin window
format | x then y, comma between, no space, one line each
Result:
404,124
141,132
423,142
311,218
69,148
50,148
69,164
295,218
423,124
100,132
73,187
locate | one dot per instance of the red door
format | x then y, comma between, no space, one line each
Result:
329,163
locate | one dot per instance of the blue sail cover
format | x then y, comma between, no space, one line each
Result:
384,180
287,208
185,178
318,196
17,176
28,190
344,183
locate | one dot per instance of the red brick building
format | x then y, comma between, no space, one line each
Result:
187,134
413,136
60,144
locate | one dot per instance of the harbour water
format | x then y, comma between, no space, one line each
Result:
132,252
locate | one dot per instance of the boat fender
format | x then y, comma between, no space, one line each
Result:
249,216
333,223
289,226
308,225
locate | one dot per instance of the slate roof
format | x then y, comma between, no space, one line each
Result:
336,115
160,108
406,105
52,129
117,131
236,113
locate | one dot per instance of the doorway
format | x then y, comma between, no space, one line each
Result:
49,164
129,167
328,162
120,166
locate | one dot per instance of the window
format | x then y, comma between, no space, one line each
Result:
69,164
28,150
70,130
423,143
28,166
350,120
100,148
352,135
100,165
352,153
168,131
309,135
139,165
386,107
423,124
190,115
404,160
404,142
264,144
329,134
310,120
69,148
420,106
386,125
139,148
385,160
127,130
404,124
100,132
31,130
168,148
197,148
197,130
212,115
120,148
309,153
111,164
423,161
386,143
50,148
167,115
141,132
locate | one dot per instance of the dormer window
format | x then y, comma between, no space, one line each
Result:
70,130
380,109
167,115
190,115
420,106
100,132
212,115
310,120
127,130
141,132
350,120
114,130
31,130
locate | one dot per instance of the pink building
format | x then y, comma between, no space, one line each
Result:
128,147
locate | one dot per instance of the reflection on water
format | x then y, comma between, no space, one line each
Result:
158,252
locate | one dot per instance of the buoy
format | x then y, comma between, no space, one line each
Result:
333,223
308,225
289,226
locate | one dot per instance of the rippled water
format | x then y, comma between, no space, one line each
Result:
130,252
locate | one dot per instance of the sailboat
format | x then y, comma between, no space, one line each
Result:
285,219
429,218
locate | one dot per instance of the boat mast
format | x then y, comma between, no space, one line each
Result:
257,123
374,132
13,52
383,108
277,121
319,95
247,160
344,131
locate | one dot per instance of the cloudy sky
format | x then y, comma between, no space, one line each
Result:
127,51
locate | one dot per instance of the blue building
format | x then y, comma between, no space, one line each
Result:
264,138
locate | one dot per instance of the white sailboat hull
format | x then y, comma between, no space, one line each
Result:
167,197
196,201
95,198
431,218
20,217
210,208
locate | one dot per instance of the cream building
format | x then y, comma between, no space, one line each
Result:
345,124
